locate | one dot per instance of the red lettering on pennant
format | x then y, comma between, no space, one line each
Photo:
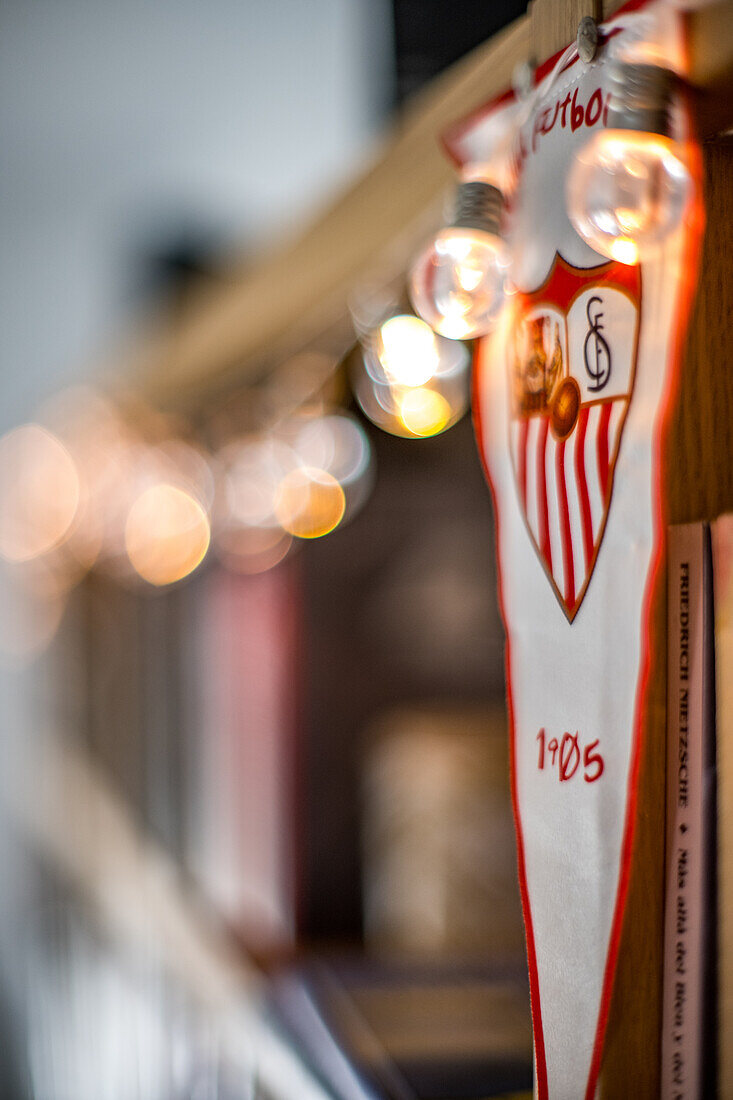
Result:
567,755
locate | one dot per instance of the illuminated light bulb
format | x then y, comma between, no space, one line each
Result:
435,406
166,534
625,251
629,185
424,412
310,503
457,283
39,493
407,350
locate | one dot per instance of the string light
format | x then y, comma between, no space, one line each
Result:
39,493
457,283
407,350
409,381
166,534
337,444
302,479
310,502
424,412
140,502
629,185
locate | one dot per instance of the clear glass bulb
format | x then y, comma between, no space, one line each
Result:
457,283
626,192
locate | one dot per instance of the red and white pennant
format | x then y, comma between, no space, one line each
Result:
571,394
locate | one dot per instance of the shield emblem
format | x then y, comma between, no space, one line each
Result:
571,363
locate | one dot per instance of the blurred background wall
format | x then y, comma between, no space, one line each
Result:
147,148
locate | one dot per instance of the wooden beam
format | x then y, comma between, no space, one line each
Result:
711,65
555,25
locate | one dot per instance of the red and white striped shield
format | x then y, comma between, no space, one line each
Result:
571,362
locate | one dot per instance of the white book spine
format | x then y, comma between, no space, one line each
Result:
689,722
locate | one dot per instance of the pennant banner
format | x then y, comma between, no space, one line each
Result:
571,395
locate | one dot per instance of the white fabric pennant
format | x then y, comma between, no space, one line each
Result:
577,494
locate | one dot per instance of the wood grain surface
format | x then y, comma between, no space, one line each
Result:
554,25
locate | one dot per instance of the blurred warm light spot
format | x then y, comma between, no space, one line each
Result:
105,451
120,451
310,502
166,534
336,444
185,465
254,470
625,251
424,412
302,478
456,328
253,549
440,396
39,493
407,350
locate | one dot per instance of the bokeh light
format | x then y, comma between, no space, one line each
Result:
253,470
166,534
308,475
310,502
39,493
407,350
424,412
107,453
135,500
247,533
338,444
417,410
118,457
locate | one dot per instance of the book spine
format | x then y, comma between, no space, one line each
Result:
722,538
688,908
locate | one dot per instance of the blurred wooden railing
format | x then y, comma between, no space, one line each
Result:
133,890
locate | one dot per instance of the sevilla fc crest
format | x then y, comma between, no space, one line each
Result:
572,360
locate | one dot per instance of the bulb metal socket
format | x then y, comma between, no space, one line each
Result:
640,98
479,206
